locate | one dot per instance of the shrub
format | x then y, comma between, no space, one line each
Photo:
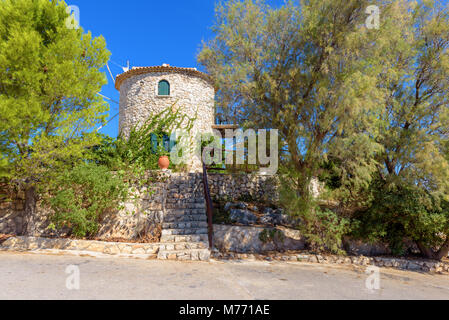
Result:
146,142
402,212
271,235
323,229
83,194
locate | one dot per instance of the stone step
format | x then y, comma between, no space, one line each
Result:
183,211
171,246
192,254
168,232
198,197
184,225
185,205
185,218
185,238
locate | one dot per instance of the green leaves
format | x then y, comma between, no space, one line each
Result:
48,83
375,103
299,69
80,196
146,142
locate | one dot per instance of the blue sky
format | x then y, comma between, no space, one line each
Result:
147,33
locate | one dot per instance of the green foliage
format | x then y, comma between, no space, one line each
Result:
281,68
80,196
366,110
221,216
49,80
323,229
145,144
404,212
411,186
271,235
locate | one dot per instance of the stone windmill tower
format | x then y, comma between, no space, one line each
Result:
145,91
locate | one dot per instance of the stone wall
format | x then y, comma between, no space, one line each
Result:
11,211
141,217
84,247
239,186
248,240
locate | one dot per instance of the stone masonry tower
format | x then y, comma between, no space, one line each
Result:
145,91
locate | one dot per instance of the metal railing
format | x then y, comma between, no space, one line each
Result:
209,207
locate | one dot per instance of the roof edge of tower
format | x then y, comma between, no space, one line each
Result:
164,68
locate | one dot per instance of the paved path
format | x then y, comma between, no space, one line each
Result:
30,276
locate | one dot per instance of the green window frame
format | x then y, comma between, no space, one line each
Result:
164,88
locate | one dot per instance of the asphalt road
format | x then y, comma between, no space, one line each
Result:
30,276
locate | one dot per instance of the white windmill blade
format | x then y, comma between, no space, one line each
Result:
112,77
126,69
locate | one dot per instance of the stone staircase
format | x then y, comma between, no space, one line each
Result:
184,228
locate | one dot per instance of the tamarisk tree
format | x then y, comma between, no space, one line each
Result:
299,69
49,77
414,125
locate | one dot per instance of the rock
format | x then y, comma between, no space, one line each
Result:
358,247
241,205
204,255
112,249
253,208
243,216
267,219
279,211
413,266
278,219
228,206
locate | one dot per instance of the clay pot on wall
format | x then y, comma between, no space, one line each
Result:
164,162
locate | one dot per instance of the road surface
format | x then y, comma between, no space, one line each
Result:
31,276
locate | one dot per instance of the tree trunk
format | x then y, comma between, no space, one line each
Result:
444,250
30,212
425,251
430,254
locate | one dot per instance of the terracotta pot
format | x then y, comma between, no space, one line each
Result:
164,162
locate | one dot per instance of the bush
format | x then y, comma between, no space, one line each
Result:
145,143
272,235
323,229
82,195
406,212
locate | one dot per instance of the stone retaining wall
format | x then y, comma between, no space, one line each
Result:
234,187
143,215
35,244
11,214
401,264
149,251
247,239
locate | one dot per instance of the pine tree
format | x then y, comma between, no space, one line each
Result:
49,77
